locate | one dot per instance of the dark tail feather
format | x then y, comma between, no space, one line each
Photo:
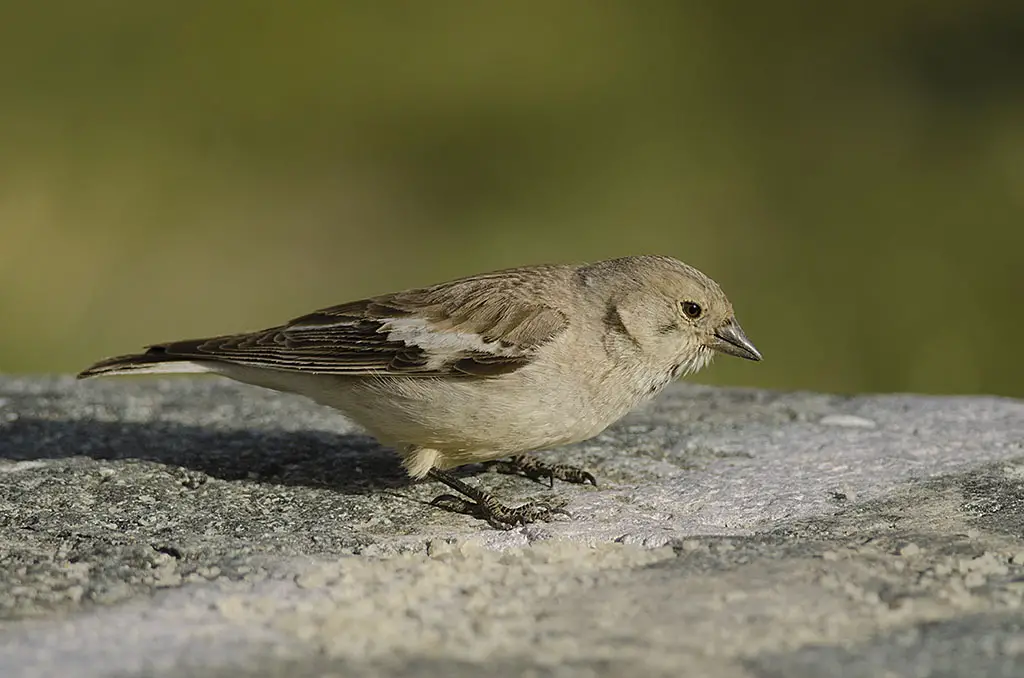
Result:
155,360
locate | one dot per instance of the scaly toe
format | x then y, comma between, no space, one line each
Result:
449,502
540,510
573,474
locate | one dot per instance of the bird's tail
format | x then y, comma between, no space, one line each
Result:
154,361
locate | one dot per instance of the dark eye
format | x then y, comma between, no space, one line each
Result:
690,309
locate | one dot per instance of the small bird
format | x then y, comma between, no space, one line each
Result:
483,367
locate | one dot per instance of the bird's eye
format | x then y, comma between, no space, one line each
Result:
690,309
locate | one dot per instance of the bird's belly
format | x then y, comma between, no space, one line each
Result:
466,419
482,419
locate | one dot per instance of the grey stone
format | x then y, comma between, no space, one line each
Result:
196,527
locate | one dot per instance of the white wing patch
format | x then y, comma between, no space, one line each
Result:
439,345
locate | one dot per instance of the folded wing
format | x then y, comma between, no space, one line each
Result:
481,326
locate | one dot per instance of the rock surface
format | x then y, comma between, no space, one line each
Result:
195,527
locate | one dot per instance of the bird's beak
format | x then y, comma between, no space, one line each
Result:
729,338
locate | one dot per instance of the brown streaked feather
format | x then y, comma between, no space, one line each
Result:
500,307
502,311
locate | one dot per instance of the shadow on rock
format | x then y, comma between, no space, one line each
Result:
351,464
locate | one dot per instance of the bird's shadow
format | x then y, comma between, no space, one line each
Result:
346,463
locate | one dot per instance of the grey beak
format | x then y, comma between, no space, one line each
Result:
729,338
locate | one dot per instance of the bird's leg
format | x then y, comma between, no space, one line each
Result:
485,506
534,469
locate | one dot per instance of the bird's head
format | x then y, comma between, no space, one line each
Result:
675,314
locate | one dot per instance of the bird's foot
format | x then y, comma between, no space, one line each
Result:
483,505
499,515
535,469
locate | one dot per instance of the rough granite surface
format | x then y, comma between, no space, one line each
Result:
197,527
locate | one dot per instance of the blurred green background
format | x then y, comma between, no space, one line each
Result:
851,173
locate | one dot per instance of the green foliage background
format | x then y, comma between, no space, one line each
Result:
851,173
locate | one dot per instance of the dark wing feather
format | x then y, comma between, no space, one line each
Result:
481,326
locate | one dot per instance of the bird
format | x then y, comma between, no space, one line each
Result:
488,366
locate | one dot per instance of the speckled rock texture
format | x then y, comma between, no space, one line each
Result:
196,527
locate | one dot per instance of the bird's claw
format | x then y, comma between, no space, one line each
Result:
499,515
536,470
505,518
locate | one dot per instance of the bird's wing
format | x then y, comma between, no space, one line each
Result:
481,326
